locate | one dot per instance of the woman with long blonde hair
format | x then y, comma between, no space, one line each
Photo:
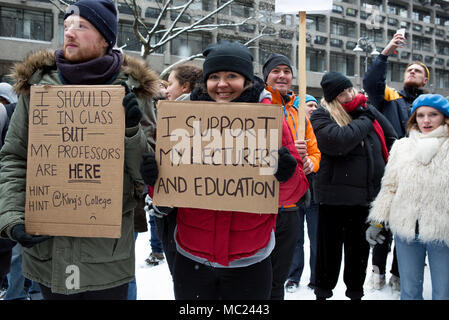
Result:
354,140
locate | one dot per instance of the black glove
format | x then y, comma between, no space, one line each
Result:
26,240
133,114
286,165
361,111
148,169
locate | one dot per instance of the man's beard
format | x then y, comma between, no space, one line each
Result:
81,56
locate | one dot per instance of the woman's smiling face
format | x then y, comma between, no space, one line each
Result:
225,86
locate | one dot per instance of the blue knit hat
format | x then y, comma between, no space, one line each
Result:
101,13
436,101
311,98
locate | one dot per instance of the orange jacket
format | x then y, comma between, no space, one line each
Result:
291,116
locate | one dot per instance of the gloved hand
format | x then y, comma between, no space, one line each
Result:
153,210
373,235
133,114
26,240
361,111
286,165
148,169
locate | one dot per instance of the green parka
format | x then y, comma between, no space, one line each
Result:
102,262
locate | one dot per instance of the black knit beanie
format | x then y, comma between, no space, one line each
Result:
228,56
333,83
101,13
273,61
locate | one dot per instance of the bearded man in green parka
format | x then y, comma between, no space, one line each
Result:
105,265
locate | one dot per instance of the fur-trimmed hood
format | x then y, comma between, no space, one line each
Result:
41,61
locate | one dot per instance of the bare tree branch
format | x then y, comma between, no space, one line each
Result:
159,18
137,21
184,8
209,27
56,4
145,34
167,70
260,36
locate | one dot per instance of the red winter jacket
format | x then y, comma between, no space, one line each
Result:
225,236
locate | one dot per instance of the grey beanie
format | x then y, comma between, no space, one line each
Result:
273,61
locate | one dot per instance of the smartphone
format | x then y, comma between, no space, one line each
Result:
401,32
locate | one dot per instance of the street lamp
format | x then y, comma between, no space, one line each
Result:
368,46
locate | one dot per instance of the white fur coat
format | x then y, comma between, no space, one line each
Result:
415,186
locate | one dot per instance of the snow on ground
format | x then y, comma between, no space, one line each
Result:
155,283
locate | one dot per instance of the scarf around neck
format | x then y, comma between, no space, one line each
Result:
411,93
360,100
427,145
96,71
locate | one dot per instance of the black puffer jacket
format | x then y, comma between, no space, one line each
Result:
351,165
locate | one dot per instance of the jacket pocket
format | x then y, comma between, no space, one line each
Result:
41,251
100,250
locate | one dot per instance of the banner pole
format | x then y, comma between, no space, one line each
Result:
302,75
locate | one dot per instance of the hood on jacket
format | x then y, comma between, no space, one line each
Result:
41,61
7,92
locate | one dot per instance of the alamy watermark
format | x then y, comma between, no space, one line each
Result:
226,147
72,282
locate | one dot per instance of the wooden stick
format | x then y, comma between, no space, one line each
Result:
302,76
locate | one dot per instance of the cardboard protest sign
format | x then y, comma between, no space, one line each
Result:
219,156
75,161
294,6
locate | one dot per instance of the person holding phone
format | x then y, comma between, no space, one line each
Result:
392,103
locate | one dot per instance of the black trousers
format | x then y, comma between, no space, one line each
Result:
341,227
116,293
287,234
165,228
196,281
6,246
380,253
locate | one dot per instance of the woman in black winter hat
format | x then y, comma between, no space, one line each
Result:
226,254
354,140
